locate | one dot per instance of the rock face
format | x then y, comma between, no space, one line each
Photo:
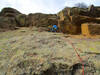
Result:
94,11
9,12
45,54
22,20
41,66
89,29
7,19
7,23
71,18
42,20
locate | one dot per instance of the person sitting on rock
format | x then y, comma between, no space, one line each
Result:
50,28
54,28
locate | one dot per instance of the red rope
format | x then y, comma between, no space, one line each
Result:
78,56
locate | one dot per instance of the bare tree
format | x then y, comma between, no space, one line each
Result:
81,5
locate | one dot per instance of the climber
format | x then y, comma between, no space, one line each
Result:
53,28
50,28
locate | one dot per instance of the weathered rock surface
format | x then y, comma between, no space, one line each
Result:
42,20
9,12
44,53
7,19
7,23
22,20
89,29
72,18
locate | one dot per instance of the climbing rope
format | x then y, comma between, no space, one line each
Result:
77,55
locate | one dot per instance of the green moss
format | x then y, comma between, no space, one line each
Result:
94,50
97,63
97,43
0,50
97,72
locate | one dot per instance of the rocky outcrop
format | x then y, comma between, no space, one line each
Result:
22,20
89,29
42,20
71,18
44,53
7,23
94,11
9,12
7,19
42,66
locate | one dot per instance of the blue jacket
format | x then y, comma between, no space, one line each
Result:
55,27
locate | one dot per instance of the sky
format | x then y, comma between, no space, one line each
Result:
43,6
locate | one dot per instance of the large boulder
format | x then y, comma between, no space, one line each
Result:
42,20
71,18
78,20
93,11
89,29
9,12
69,28
21,20
7,19
7,23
